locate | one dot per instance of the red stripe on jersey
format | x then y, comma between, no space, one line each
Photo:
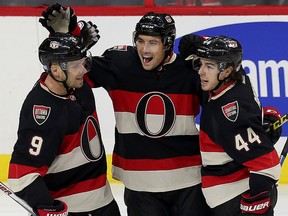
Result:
17,170
207,144
80,187
90,83
72,141
124,101
263,162
156,164
210,181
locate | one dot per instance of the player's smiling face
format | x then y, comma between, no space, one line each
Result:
151,51
76,71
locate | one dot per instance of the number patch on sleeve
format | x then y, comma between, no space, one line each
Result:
242,144
36,145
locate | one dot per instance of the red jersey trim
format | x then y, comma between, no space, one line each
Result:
68,143
156,164
263,162
210,181
90,83
17,170
183,103
207,144
84,186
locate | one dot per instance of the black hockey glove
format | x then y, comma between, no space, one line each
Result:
271,115
189,44
57,18
89,33
58,208
256,205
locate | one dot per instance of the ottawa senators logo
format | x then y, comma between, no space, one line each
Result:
152,100
91,141
231,111
41,113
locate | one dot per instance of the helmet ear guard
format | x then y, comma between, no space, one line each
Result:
63,66
169,41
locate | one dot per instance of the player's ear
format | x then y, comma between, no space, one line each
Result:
225,73
228,71
55,69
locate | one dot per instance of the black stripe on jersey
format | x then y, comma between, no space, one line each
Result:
221,170
58,181
135,146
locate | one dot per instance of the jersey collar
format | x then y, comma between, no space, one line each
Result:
222,90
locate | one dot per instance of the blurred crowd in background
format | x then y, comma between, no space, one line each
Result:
142,2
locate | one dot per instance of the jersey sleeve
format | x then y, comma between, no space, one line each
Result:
40,134
107,67
244,139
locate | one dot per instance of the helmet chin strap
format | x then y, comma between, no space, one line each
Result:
219,83
218,78
65,85
160,66
63,82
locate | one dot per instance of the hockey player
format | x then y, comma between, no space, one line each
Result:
156,99
240,164
188,46
58,164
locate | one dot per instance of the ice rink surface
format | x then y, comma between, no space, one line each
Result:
9,207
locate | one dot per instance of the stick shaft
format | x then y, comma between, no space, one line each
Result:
277,124
284,152
13,196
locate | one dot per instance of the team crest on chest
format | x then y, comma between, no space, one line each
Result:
231,111
41,113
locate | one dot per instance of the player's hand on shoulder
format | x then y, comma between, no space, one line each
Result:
57,18
271,115
189,44
89,33
58,208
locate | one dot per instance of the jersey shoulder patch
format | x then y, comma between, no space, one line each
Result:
231,111
41,113
119,48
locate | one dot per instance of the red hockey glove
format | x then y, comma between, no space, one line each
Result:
256,205
189,44
271,115
89,33
57,18
57,209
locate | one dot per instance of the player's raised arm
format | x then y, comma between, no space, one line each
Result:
57,18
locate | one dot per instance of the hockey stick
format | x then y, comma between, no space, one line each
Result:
277,124
12,195
284,152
